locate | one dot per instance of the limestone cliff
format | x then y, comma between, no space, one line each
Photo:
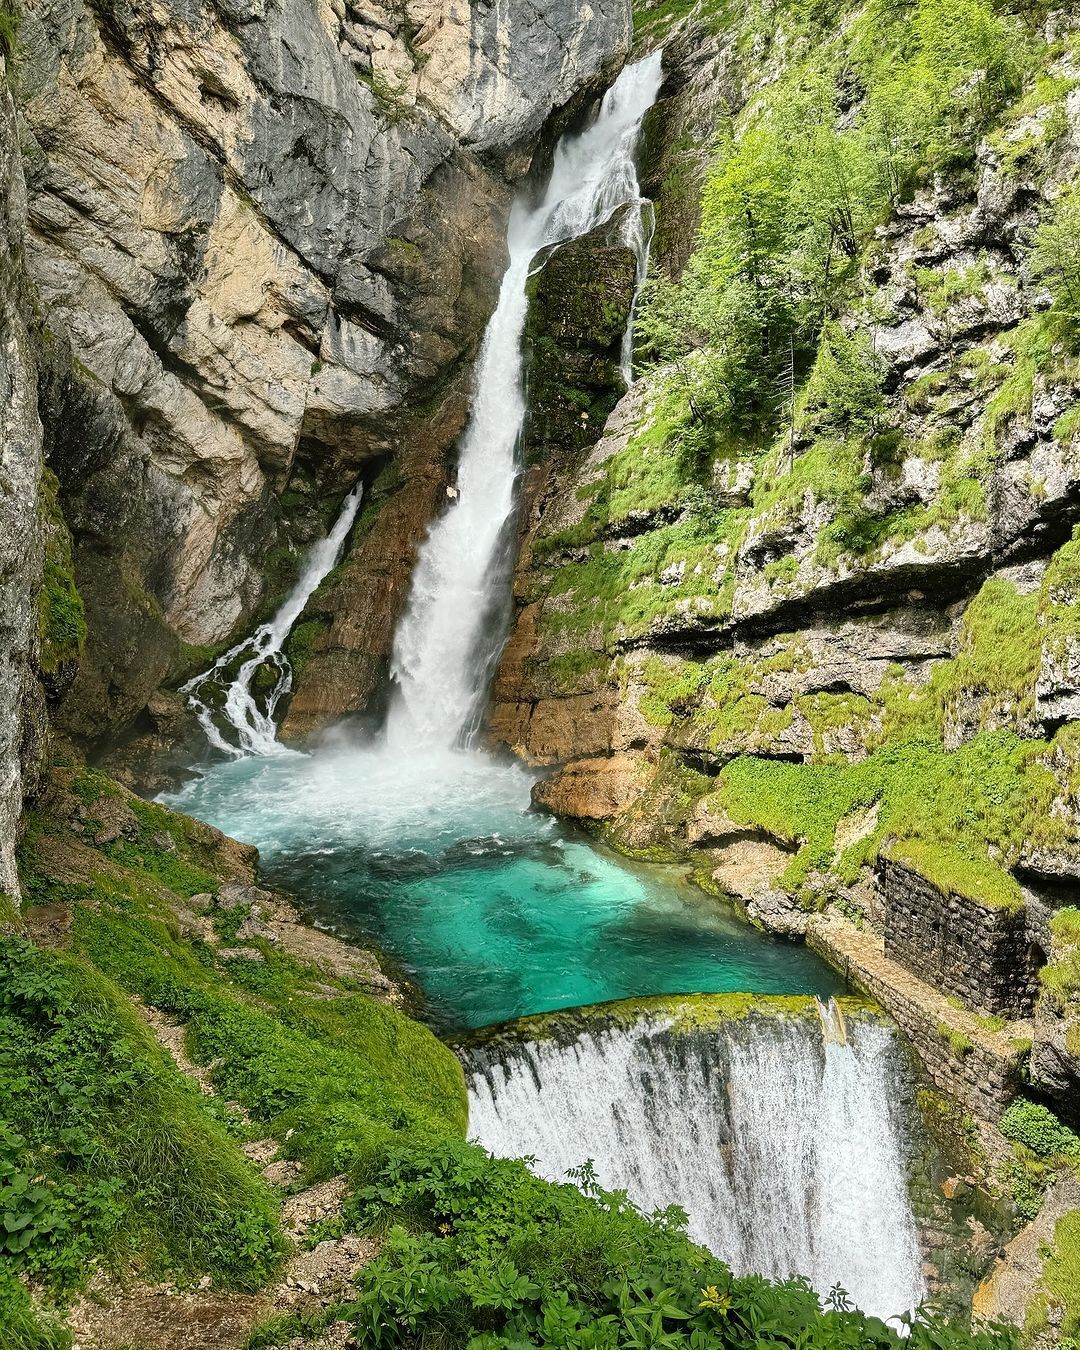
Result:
21,539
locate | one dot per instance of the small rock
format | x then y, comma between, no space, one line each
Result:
954,1187
240,954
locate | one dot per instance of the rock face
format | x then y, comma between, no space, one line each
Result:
262,236
21,541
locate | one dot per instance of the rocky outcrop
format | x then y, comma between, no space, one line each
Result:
262,236
22,712
840,671
1013,1290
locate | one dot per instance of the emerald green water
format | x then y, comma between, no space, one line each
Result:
493,909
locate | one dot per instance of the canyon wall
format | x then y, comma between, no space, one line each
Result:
261,236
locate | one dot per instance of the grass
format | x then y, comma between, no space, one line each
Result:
106,1150
1060,1284
1060,978
9,31
940,813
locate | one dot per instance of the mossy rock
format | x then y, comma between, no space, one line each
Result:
681,1014
580,300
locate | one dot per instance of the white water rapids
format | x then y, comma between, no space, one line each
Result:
783,1146
449,638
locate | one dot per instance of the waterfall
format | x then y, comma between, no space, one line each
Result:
254,726
784,1146
446,645
638,230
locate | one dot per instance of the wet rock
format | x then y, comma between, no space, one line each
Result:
593,789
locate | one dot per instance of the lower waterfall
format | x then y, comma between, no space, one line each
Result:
256,731
785,1148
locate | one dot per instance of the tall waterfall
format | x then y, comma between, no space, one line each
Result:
446,645
255,730
784,1146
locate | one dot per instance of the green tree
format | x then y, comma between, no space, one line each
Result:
1055,253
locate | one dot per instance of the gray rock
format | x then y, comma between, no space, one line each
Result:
22,735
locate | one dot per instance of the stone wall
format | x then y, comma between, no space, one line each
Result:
976,952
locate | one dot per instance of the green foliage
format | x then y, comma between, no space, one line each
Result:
797,189
958,1043
1060,978
300,643
9,30
104,1147
337,1076
1055,252
62,619
483,1253
939,813
1060,1284
844,391
107,1149
1037,1128
23,1326
669,685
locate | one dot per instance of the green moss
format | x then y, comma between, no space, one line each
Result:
619,593
682,1014
953,1130
1060,978
959,1044
62,619
669,686
939,291
571,671
301,642
1059,1287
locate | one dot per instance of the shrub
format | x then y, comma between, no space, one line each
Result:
1038,1129
1055,253
480,1251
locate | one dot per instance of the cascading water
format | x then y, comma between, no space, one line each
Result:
784,1146
445,647
638,230
254,726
